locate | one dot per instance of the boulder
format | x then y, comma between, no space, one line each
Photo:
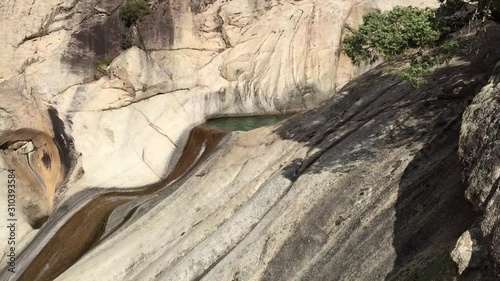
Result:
480,157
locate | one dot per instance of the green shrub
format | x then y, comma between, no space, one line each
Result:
101,67
406,33
417,36
127,41
133,10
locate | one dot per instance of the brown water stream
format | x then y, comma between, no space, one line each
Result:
85,229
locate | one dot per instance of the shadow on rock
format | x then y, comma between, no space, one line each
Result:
378,116
431,212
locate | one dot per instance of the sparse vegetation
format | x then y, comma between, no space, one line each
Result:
404,32
133,11
421,37
101,67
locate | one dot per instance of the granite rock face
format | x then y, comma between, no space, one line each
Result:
367,186
193,60
201,60
480,156
335,194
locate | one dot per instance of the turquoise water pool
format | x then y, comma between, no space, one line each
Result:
247,123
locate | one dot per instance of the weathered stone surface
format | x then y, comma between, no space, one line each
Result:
200,59
28,145
467,252
462,253
479,144
253,214
365,187
480,156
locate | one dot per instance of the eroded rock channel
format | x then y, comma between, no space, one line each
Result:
74,229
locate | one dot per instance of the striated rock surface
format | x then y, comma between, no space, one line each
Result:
330,195
197,59
480,156
124,126
202,60
367,186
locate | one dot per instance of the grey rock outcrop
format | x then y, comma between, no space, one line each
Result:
480,156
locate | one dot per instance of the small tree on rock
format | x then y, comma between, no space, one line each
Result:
420,37
133,10
404,32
